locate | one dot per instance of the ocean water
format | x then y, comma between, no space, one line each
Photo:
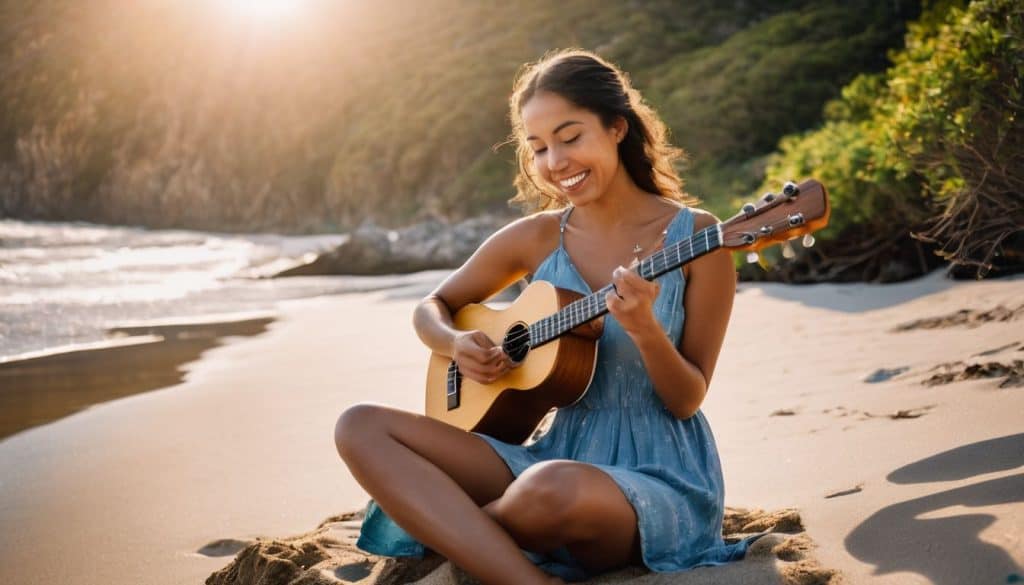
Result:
64,284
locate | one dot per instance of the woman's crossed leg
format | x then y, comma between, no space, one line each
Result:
452,492
572,504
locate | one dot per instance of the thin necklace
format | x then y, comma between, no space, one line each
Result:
637,248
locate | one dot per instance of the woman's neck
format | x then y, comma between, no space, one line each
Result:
623,205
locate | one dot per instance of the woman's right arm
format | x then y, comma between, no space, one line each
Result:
505,257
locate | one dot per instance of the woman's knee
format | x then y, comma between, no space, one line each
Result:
357,427
543,500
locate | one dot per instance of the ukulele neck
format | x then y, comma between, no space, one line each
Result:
593,306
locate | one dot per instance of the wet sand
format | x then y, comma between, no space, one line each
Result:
45,386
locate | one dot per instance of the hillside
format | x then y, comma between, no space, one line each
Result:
172,114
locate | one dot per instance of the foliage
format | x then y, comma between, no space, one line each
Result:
168,113
932,144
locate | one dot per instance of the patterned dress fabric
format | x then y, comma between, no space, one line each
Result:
667,468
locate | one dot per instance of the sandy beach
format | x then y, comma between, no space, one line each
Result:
896,481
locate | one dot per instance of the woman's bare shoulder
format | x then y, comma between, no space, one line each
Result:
703,218
532,237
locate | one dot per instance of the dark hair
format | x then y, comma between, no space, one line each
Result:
594,84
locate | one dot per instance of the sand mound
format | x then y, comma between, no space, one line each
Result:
1013,372
964,318
328,556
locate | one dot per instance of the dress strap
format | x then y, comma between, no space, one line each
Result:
680,227
561,227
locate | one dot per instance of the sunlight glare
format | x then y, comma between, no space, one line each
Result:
263,10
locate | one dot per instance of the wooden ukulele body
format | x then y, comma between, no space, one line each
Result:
555,374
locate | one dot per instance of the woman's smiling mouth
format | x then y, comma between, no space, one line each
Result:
573,182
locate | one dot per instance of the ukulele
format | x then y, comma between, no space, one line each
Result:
551,333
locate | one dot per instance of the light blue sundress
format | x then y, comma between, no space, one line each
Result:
667,468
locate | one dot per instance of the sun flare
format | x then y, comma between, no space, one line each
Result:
264,10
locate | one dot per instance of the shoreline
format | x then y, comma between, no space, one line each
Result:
131,490
40,387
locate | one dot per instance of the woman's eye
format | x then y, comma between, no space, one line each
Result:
573,139
540,151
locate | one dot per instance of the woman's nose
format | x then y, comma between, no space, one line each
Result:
556,159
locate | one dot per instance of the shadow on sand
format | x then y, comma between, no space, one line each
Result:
855,297
946,550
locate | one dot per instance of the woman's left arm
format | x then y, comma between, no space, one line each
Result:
681,376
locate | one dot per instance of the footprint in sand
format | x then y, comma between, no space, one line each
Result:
353,572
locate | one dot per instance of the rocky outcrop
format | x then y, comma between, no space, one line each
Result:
427,245
328,556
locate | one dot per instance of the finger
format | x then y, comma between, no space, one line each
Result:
494,356
633,278
611,301
624,287
482,339
503,359
478,354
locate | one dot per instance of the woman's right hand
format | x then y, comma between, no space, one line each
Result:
478,358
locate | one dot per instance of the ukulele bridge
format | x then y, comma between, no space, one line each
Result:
453,387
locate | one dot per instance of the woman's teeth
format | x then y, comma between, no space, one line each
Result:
574,180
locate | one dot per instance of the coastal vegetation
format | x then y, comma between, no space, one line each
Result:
171,114
925,157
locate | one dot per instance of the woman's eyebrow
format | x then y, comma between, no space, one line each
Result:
560,126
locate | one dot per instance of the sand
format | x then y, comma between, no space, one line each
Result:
925,480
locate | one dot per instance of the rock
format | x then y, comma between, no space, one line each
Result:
372,250
883,374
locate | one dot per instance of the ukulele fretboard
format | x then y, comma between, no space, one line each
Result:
593,306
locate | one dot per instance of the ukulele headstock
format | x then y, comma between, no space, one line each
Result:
775,218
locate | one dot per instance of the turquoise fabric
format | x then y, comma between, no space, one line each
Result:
667,468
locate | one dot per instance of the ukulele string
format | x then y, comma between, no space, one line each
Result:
580,305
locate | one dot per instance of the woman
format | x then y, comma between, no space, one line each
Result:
630,474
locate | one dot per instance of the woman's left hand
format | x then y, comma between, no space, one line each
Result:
633,306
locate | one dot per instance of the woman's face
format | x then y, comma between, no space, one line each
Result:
573,152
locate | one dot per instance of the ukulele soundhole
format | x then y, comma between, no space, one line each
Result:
517,342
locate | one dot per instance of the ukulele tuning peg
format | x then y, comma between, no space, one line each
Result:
753,257
787,251
808,240
790,189
749,208
768,197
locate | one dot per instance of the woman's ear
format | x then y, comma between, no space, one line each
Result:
620,127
